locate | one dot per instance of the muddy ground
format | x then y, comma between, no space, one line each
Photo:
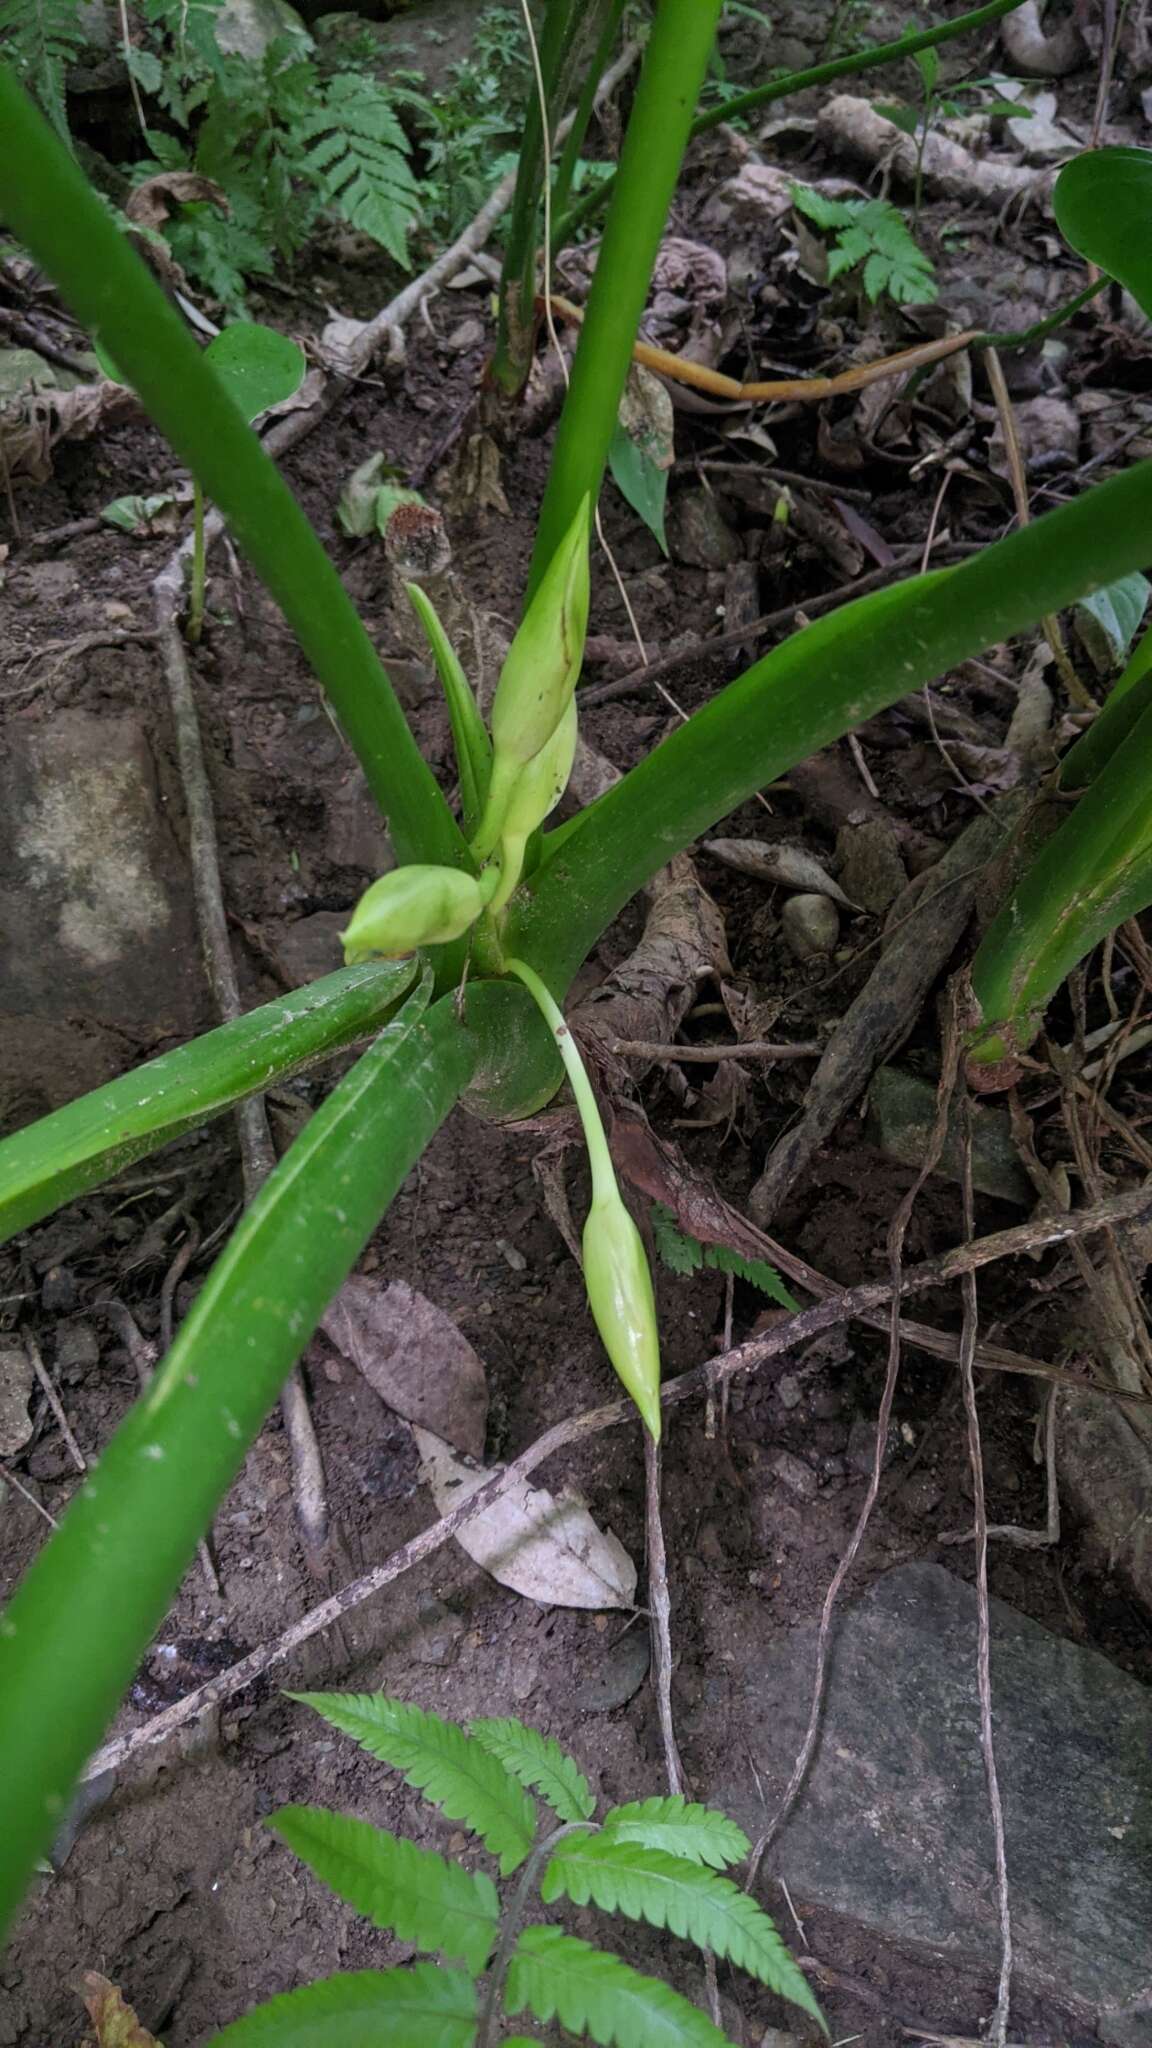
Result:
174,1888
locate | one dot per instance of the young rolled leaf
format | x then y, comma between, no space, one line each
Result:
682,1827
52,1161
535,795
410,1891
1103,206
73,1633
48,204
538,1762
469,732
420,2006
454,1772
415,906
555,1976
669,1891
1095,871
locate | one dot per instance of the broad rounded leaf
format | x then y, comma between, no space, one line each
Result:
457,1774
1103,207
257,366
424,2006
555,1976
396,1884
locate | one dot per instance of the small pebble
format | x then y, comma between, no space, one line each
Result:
789,1391
793,1473
811,926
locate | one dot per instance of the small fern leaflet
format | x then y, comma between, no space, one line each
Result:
453,1771
421,2007
555,1976
413,1891
684,1828
40,38
538,1762
358,154
668,1891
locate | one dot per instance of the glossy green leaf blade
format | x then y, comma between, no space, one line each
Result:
452,1770
1103,206
1126,703
469,732
87,1141
683,1827
1093,872
397,1885
640,481
257,366
691,1901
807,693
418,2007
72,1635
555,1976
538,1762
47,202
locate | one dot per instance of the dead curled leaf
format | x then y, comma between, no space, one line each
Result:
414,1356
544,1546
30,426
150,204
115,2023
788,866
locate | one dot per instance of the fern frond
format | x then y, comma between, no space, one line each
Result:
679,1253
538,1762
668,1891
453,1771
683,1254
424,2006
357,152
40,38
824,212
757,1272
684,1828
555,1976
413,1891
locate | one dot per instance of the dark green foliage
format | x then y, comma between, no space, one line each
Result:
683,1254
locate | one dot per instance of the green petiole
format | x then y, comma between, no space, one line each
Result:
599,1157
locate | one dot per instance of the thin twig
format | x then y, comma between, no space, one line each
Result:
998,2031
9,1479
1132,1207
706,1055
660,1611
54,1402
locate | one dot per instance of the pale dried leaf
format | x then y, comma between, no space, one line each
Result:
789,867
544,1546
115,2022
150,204
414,1357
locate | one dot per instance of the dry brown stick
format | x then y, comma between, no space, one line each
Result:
1041,1231
998,2032
54,1402
660,1615
705,1055
897,1232
8,1478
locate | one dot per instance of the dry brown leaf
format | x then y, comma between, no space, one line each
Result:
790,867
415,1358
544,1546
115,2022
151,202
30,427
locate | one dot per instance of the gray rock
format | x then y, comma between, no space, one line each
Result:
17,1381
901,1113
869,865
1105,1455
793,1473
892,1829
620,1674
246,28
698,532
811,926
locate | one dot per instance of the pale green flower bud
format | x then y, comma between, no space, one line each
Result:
412,907
536,792
619,1288
540,674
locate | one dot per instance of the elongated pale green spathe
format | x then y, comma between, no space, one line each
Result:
535,796
539,677
617,1277
412,907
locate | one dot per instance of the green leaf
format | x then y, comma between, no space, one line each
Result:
825,213
538,1762
75,1630
1108,620
1103,206
684,1828
554,1976
422,2006
411,1891
257,366
358,154
928,65
669,1891
135,514
77,1147
679,1253
469,732
641,481
456,1773
757,1272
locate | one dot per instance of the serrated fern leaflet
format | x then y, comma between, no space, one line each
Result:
424,2006
454,1772
554,1976
668,1891
412,1891
538,1762
682,1827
